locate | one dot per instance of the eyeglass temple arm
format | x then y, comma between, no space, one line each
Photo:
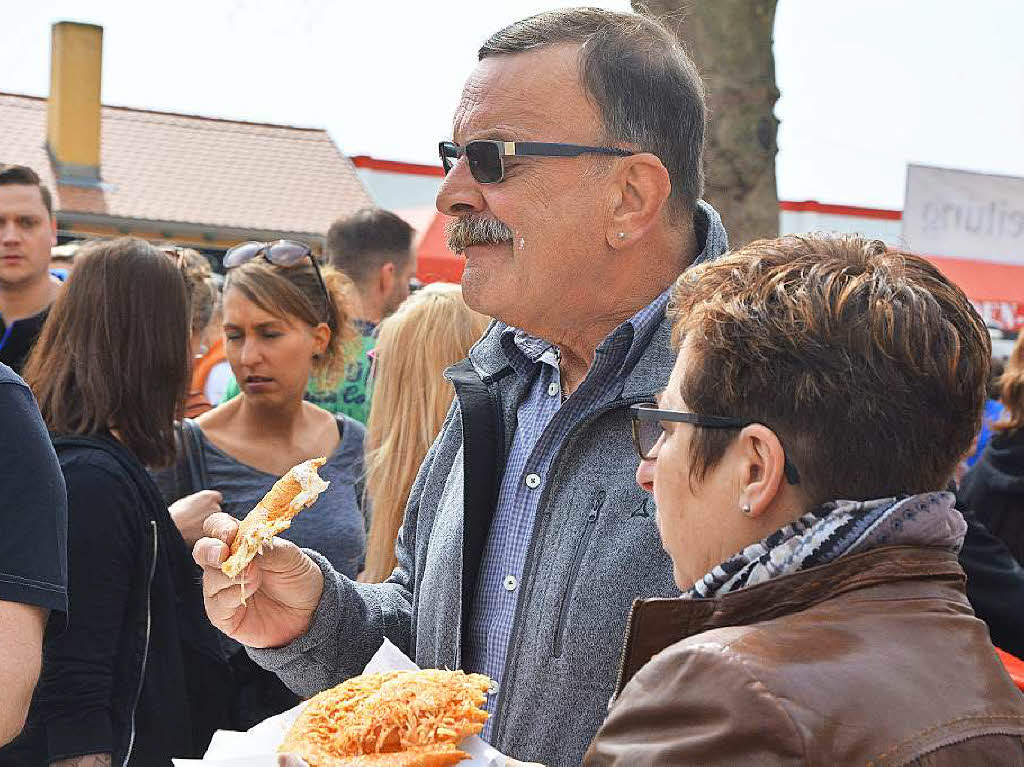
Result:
649,413
545,149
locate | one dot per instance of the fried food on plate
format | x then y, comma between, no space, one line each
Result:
296,490
394,719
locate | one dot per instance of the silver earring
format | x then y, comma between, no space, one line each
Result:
621,235
745,508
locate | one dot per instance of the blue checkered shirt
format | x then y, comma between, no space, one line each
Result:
544,420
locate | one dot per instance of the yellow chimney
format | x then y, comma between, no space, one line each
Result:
73,127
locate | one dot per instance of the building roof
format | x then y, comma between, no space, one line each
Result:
159,166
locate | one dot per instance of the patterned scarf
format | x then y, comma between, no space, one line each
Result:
834,530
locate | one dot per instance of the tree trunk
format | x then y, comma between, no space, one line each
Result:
731,43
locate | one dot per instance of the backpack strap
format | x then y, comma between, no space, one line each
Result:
191,467
482,448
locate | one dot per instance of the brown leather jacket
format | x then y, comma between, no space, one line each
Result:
875,659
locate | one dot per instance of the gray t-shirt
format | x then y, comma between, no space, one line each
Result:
334,525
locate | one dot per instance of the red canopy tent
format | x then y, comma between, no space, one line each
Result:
435,263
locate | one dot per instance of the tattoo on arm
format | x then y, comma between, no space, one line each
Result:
88,760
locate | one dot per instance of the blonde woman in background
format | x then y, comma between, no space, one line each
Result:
432,330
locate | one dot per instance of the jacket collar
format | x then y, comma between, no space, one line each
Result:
655,624
488,358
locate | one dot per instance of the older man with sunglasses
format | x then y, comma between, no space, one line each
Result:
574,177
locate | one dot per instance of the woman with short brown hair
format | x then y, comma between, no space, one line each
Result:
824,391
138,677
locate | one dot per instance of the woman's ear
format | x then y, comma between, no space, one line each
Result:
642,187
763,461
321,338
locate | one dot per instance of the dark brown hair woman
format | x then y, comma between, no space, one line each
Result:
994,486
135,678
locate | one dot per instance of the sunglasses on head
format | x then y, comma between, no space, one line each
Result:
285,253
648,427
487,158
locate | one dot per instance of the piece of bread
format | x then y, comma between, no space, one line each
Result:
393,719
296,490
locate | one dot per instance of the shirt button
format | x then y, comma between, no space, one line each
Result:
532,481
510,583
553,389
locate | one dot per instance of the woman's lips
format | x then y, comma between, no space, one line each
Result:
257,383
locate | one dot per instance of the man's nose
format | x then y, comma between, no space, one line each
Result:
460,193
10,232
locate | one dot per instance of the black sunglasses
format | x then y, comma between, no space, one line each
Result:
648,427
487,158
286,253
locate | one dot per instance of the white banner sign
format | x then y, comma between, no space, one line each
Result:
959,214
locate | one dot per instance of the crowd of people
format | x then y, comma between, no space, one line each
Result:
683,505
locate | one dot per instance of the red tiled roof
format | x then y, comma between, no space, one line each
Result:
158,166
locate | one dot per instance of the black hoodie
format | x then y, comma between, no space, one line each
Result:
994,489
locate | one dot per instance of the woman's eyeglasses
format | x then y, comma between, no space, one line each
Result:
286,253
487,158
648,426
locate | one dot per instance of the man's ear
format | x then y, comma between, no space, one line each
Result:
53,231
640,190
386,278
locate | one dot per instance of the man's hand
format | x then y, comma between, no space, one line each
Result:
190,512
282,588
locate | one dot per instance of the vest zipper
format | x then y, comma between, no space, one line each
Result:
145,649
573,576
516,638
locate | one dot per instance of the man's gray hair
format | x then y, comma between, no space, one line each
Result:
646,88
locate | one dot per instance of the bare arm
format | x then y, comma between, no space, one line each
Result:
88,760
21,642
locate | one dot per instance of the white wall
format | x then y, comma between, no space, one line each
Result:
398,191
795,222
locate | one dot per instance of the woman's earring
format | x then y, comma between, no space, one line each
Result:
745,508
621,235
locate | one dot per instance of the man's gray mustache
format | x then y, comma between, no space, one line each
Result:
476,230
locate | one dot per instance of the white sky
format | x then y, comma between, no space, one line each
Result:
867,85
